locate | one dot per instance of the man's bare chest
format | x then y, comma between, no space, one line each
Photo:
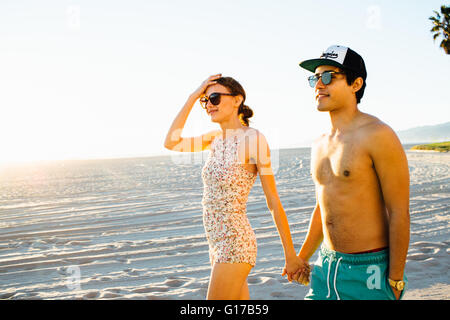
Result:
339,162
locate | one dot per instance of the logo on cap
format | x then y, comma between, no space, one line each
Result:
331,55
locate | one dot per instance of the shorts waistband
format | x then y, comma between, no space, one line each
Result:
360,258
370,251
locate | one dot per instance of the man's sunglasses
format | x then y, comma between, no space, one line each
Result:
214,98
326,77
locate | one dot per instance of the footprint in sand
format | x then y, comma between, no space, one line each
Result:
123,260
150,297
104,279
91,294
429,250
278,294
254,280
134,272
30,296
62,270
6,296
271,281
414,266
431,262
13,245
418,256
78,242
51,240
262,281
114,290
50,254
174,282
150,289
40,245
130,271
421,244
109,295
85,261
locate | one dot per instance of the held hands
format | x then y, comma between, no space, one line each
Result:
297,270
205,84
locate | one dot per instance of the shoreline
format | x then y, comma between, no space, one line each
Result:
162,157
424,150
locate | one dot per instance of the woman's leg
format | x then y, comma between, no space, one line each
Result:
245,294
228,281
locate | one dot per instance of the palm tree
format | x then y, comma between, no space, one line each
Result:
442,28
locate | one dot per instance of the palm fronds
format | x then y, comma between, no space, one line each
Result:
441,27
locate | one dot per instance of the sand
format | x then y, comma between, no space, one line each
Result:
132,229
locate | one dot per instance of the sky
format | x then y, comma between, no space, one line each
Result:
104,79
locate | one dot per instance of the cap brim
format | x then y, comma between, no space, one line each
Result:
312,64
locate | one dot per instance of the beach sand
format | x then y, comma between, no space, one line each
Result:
132,228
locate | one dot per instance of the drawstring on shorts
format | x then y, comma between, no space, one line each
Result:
330,261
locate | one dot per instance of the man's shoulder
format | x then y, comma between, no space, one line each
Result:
377,136
319,140
373,128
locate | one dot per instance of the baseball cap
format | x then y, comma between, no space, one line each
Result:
338,56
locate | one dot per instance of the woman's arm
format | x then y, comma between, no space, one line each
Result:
174,141
263,163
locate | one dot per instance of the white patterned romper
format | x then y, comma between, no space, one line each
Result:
227,185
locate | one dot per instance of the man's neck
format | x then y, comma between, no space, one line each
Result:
343,119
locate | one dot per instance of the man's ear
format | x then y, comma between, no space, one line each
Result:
357,84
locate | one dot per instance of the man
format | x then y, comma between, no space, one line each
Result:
361,177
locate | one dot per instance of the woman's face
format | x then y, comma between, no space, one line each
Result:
227,107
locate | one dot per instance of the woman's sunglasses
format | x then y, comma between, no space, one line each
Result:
326,77
214,98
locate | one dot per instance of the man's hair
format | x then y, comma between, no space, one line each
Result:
351,77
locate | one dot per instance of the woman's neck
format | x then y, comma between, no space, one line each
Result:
230,127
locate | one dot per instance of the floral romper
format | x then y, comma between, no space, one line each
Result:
227,185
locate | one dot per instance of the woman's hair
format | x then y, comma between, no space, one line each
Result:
235,88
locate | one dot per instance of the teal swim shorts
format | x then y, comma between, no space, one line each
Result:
342,276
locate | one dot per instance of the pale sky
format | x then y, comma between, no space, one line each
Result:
100,79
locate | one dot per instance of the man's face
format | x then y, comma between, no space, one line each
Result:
334,95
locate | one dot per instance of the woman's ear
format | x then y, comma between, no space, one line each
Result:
238,100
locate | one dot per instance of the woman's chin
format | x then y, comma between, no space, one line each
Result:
214,118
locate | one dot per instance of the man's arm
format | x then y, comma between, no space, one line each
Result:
313,239
391,166
314,236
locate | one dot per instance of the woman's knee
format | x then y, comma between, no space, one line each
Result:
228,280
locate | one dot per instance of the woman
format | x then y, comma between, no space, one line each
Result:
235,159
